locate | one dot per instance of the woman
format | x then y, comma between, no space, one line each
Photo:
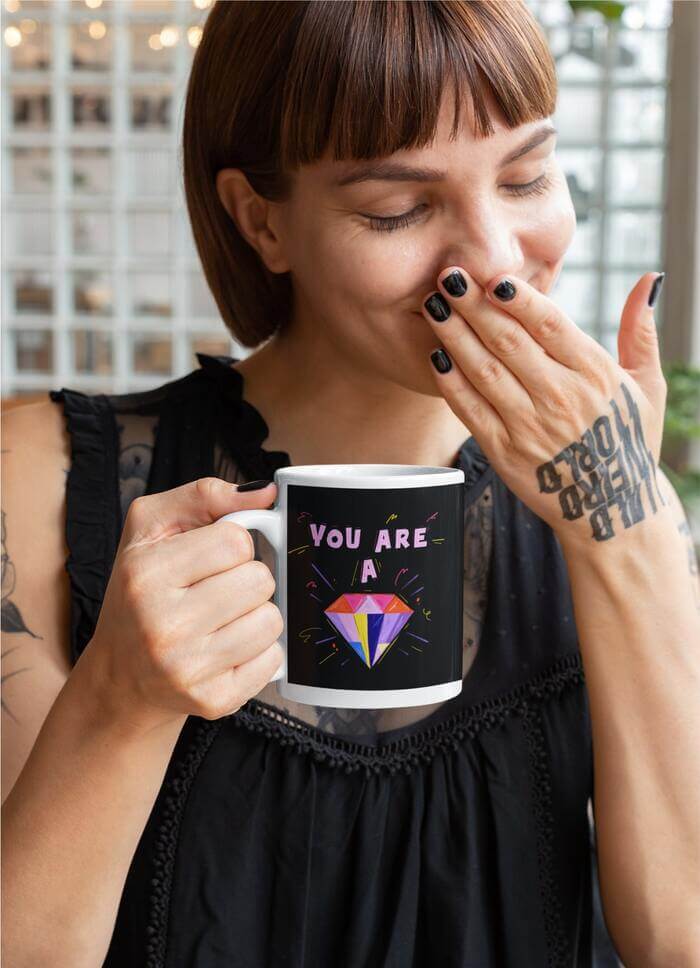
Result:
170,816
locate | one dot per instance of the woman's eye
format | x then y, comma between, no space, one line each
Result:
536,187
390,223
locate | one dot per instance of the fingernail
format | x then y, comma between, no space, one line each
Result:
455,283
441,361
504,290
438,307
253,485
656,289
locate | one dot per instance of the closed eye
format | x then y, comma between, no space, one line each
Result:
390,223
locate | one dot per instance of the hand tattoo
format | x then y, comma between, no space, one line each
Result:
608,469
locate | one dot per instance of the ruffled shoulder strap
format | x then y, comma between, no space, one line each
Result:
92,507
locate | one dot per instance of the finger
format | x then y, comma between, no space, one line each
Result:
191,505
233,687
546,323
241,640
221,598
487,374
475,412
502,335
189,558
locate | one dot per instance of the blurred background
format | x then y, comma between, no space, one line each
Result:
101,287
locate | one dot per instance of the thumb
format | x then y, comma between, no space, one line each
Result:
192,505
637,338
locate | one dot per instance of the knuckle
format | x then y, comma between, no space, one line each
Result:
135,576
137,509
205,485
157,639
558,399
508,342
595,377
474,412
241,540
547,326
648,334
490,371
213,708
532,430
271,620
263,578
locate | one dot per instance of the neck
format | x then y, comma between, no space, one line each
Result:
321,410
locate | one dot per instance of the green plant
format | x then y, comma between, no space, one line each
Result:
610,9
682,423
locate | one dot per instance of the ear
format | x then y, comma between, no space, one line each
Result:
257,219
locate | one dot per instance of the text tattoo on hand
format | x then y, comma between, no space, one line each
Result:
608,466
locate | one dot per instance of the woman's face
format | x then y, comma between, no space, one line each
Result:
359,282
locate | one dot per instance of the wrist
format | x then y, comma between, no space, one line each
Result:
649,535
108,708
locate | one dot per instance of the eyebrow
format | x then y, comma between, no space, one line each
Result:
395,171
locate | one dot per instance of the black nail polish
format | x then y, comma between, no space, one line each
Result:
441,361
253,485
438,307
656,289
504,290
455,283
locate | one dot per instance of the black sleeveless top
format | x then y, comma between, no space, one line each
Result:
283,836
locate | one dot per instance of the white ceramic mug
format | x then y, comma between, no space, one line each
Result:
369,581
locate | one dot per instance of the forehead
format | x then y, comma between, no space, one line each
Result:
446,148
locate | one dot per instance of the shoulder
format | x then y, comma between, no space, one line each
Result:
36,431
35,587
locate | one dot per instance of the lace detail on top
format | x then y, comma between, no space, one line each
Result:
402,756
406,753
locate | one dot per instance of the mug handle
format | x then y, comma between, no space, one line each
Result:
268,523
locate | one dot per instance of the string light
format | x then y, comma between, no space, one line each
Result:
13,36
97,29
194,35
169,36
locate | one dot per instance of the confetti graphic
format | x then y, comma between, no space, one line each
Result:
374,581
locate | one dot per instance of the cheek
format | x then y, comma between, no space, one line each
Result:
387,266
551,227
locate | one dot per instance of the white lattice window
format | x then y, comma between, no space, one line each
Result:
102,289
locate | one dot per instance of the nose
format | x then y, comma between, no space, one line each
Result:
492,247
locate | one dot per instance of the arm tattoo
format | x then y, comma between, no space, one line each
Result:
608,467
134,468
12,620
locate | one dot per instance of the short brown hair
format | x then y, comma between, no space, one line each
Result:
275,84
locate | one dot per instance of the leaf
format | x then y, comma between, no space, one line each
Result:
12,621
610,9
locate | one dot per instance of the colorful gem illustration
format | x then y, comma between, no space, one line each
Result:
369,623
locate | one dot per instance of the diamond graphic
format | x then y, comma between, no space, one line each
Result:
369,623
